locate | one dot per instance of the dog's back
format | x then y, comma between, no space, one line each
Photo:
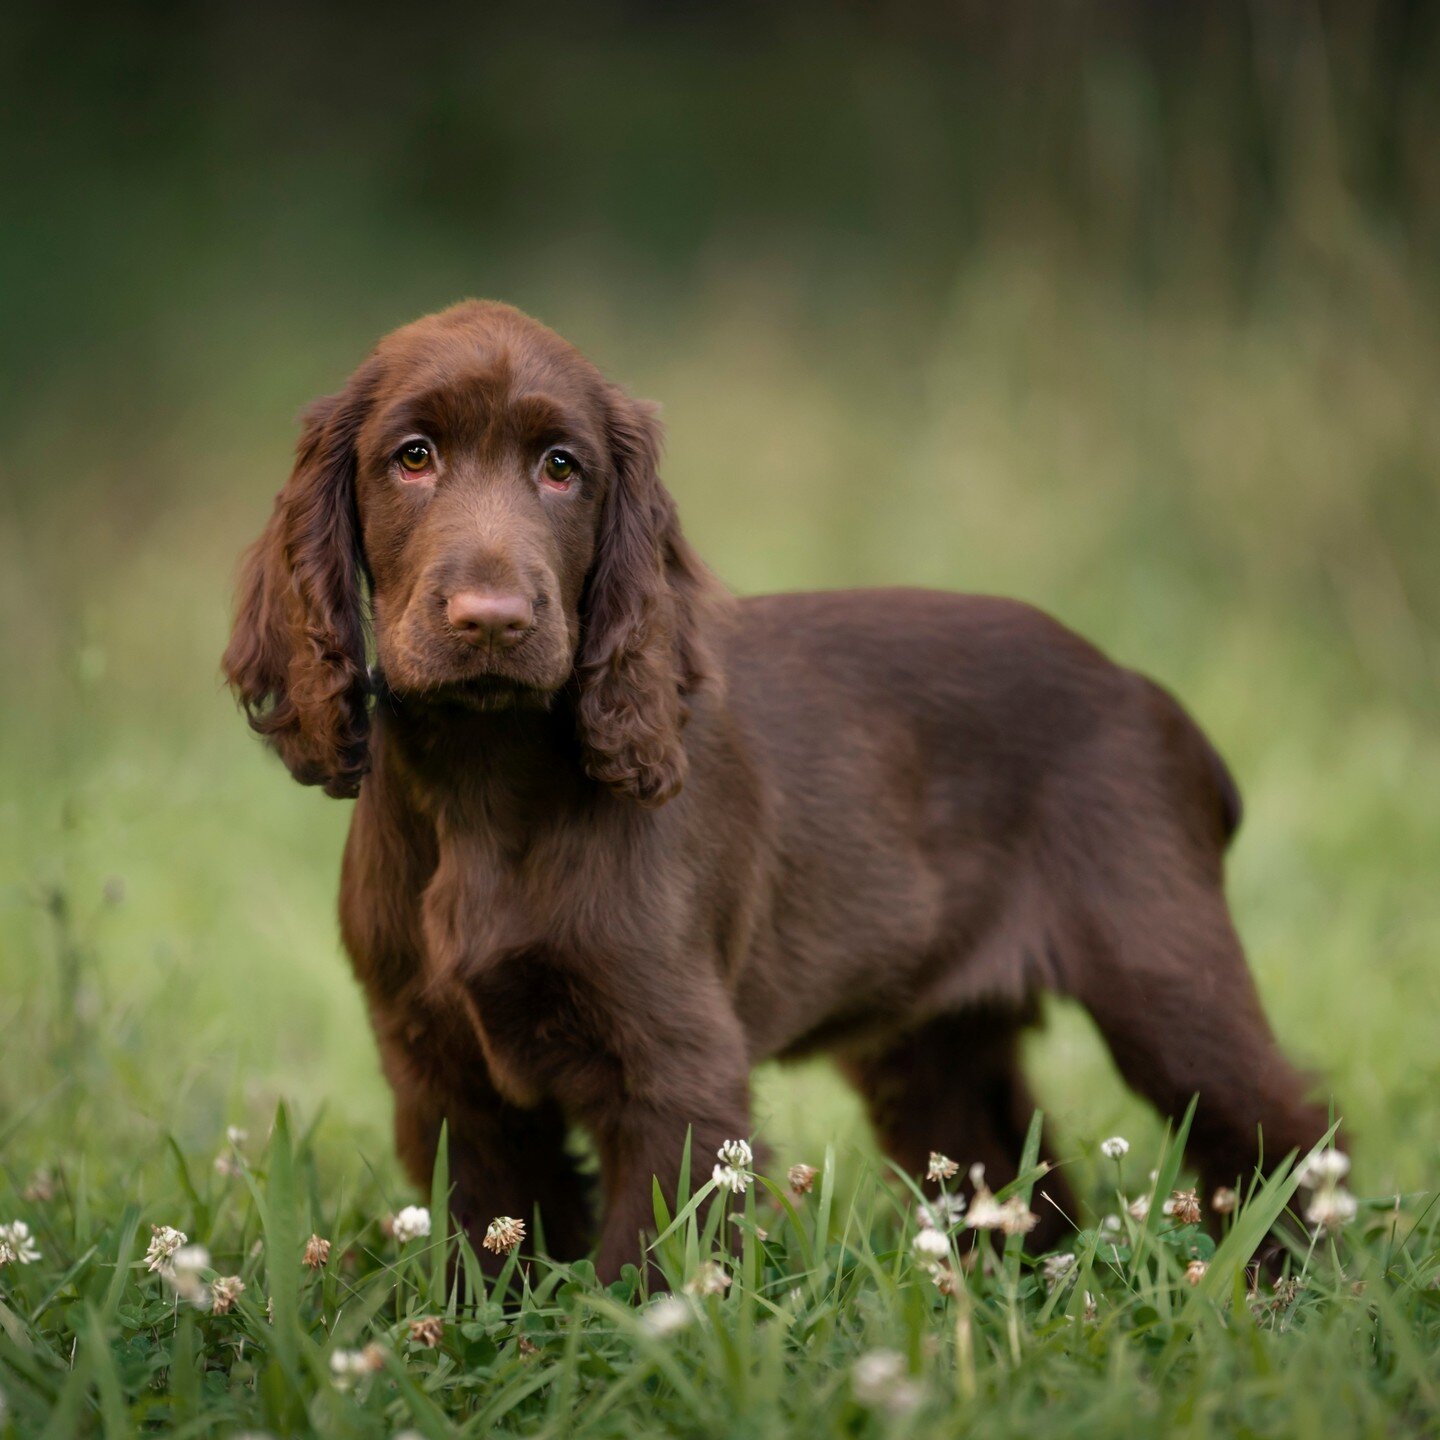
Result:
945,775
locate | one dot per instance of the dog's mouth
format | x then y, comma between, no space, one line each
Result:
487,691
491,692
421,666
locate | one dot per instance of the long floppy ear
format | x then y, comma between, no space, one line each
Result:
296,658
642,648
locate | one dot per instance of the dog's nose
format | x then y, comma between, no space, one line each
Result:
485,618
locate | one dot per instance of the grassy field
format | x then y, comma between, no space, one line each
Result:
1137,323
1238,505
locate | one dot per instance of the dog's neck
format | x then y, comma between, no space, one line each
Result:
476,761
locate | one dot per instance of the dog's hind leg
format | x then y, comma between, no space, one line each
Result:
1165,979
954,1084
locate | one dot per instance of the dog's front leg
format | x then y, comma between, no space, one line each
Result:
639,1145
638,1055
503,1160
687,1072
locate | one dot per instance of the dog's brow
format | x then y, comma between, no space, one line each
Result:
542,417
470,411
442,409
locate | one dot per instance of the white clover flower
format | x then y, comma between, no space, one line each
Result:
1011,1217
1140,1207
737,1154
727,1177
881,1381
502,1234
1195,1271
1111,1225
1331,1207
1331,1204
984,1213
931,1244
1019,1218
1325,1167
349,1367
183,1275
942,1213
190,1258
878,1367
17,1241
224,1293
941,1167
165,1240
667,1315
709,1279
1184,1206
1115,1147
1058,1270
801,1178
236,1136
734,1172
412,1223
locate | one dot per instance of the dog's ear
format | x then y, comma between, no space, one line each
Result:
296,658
642,647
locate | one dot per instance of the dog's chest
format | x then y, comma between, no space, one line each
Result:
517,951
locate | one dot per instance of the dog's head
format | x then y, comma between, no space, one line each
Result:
496,502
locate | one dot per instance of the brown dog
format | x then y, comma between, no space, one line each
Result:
618,836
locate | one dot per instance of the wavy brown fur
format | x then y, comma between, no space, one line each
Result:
296,659
634,836
643,651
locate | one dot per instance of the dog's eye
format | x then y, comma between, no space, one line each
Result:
559,468
415,457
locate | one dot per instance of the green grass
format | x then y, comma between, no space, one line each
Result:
829,1324
1239,500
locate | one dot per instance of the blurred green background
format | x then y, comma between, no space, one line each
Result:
1130,310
